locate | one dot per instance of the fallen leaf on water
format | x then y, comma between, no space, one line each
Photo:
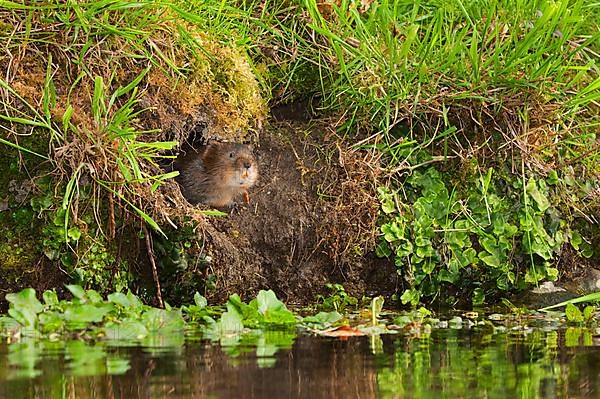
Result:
342,332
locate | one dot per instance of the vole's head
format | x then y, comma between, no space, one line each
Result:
246,170
237,162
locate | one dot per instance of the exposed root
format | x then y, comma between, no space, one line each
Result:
151,258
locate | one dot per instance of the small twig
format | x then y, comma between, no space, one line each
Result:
410,168
111,217
153,263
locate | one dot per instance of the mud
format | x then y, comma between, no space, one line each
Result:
277,241
43,275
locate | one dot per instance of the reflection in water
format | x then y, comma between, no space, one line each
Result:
446,363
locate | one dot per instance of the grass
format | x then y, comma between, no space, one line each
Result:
410,51
467,79
436,65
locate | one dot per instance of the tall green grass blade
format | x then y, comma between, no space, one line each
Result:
98,110
163,177
66,118
72,186
49,94
21,148
593,297
33,109
131,86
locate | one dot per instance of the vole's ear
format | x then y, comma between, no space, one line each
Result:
213,144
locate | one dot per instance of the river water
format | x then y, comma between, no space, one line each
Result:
466,362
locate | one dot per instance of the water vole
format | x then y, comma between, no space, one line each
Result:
217,174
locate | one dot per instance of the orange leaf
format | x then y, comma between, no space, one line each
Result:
342,332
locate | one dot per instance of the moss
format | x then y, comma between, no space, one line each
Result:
17,256
19,224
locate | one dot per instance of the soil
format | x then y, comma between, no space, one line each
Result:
43,275
310,221
278,241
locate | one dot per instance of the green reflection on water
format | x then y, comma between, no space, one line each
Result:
455,363
467,362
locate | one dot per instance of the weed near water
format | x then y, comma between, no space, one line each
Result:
476,238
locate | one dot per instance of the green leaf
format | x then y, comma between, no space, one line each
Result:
576,239
588,312
199,300
163,321
273,310
249,314
119,298
87,313
231,323
25,299
411,296
386,198
383,250
540,199
458,239
25,316
573,313
392,231
450,276
322,319
74,233
50,297
552,178
93,296
490,244
586,249
552,273
489,259
77,291
478,297
424,312
404,250
267,300
533,276
51,322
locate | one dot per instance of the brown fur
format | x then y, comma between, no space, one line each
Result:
217,174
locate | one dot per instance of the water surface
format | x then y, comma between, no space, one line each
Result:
467,362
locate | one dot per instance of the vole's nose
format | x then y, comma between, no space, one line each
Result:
247,165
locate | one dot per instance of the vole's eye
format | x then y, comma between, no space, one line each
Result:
231,155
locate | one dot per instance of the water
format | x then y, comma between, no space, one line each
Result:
478,362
